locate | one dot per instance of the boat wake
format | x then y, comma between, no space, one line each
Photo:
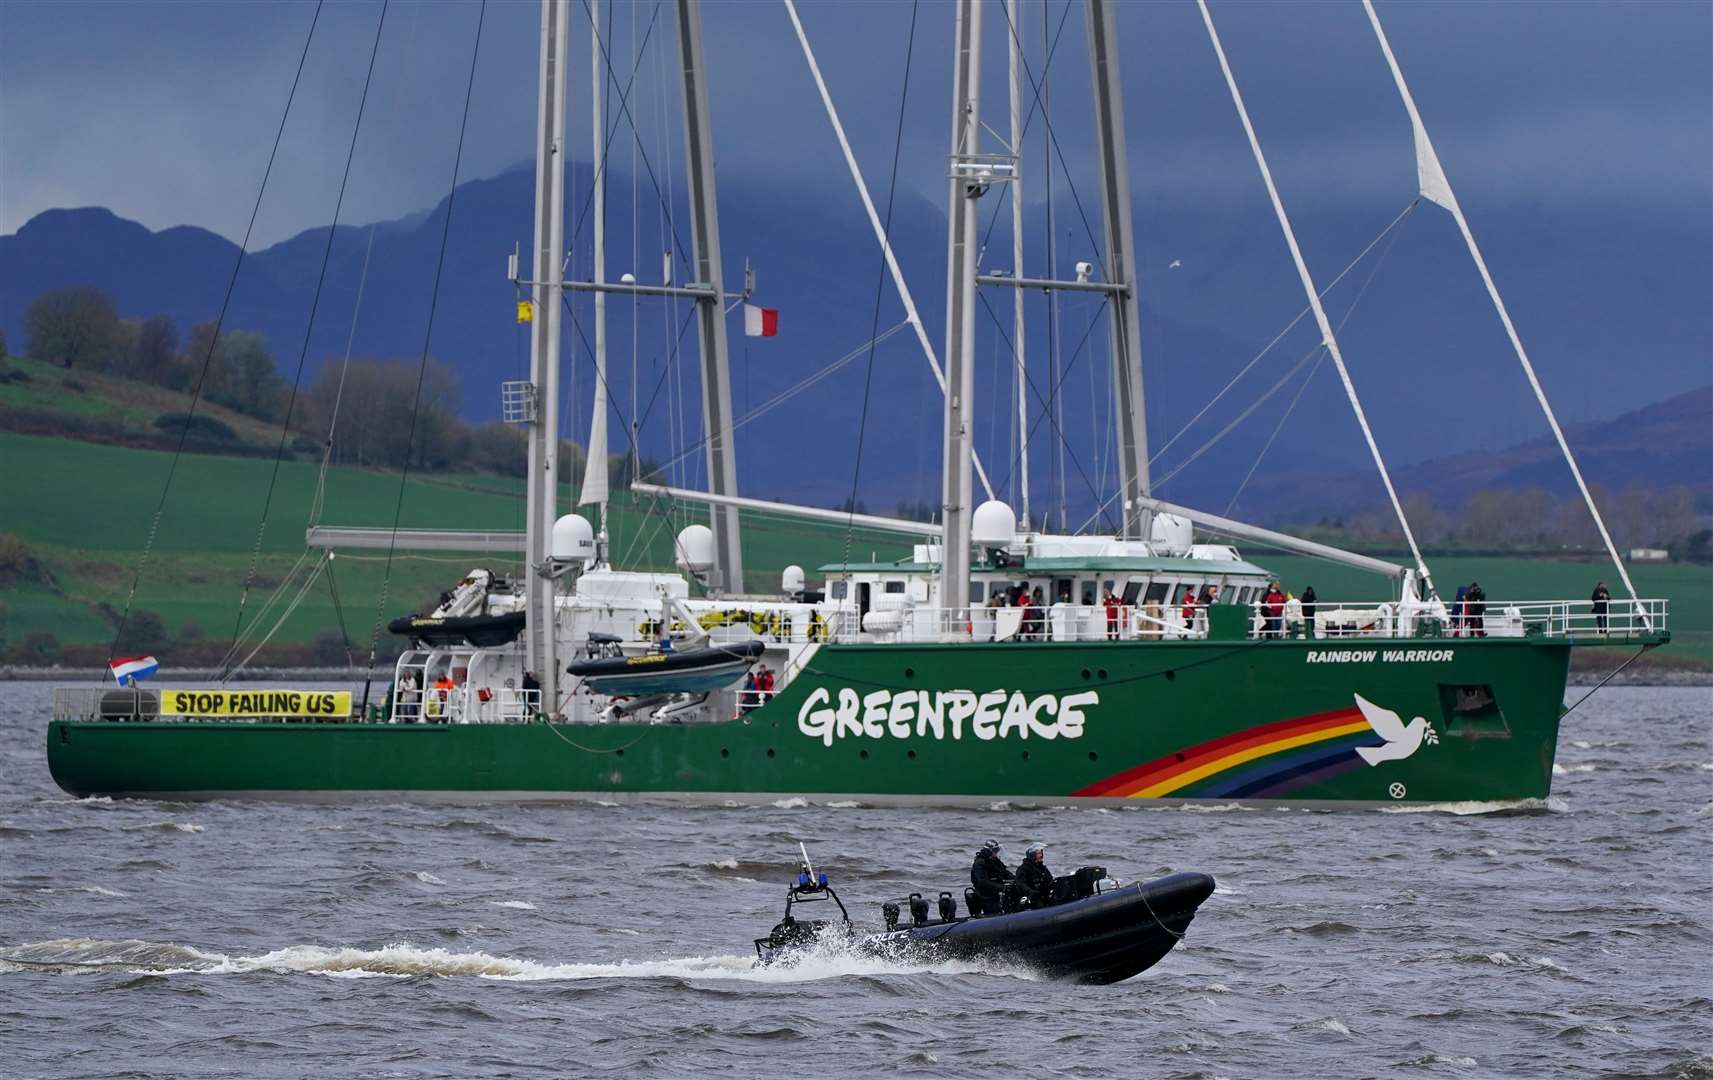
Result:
83,956
1552,804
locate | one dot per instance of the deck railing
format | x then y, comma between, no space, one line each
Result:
1581,620
1571,619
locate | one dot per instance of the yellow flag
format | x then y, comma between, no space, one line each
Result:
525,311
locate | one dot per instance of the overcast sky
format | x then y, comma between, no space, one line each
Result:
165,112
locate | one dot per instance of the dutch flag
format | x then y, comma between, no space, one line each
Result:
127,670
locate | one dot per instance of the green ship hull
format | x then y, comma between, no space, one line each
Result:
1052,723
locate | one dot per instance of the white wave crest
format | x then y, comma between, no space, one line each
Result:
100,891
724,864
849,804
793,803
1551,804
427,878
403,960
515,905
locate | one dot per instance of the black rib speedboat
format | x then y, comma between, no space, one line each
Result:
682,671
1101,932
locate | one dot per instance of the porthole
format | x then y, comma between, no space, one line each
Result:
1085,674
770,752
1101,673
911,755
1171,675
1025,755
909,673
619,753
724,752
1092,756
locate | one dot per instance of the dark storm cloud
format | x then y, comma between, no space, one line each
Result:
165,111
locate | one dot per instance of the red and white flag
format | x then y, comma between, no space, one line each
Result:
760,321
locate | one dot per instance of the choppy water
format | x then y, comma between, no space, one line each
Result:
1573,938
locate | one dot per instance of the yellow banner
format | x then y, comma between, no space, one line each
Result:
310,703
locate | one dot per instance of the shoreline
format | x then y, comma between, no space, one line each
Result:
383,676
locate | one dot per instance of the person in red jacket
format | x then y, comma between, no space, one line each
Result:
1273,609
1113,615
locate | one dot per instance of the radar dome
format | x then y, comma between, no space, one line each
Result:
791,581
1173,532
695,550
573,538
994,525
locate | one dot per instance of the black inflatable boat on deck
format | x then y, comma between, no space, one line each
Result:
1107,934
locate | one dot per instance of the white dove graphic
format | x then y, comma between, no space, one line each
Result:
1401,741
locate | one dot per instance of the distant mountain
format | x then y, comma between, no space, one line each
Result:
817,262
1662,445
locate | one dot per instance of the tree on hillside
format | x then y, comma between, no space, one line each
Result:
3,352
237,371
150,350
255,387
374,400
72,326
498,447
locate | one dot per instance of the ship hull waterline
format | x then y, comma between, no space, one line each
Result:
963,724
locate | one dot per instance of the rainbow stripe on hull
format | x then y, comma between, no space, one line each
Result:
1267,761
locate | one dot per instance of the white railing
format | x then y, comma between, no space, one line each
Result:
784,628
465,705
1573,619
1057,622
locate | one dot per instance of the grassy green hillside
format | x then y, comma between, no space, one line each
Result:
47,399
83,513
84,510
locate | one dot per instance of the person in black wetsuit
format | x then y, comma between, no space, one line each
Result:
1034,880
989,875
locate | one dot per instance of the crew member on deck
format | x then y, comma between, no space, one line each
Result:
1034,880
989,875
1602,600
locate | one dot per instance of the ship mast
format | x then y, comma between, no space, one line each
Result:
595,478
710,300
1013,9
543,490
963,244
1124,319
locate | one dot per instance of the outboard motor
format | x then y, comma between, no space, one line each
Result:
918,909
889,912
948,907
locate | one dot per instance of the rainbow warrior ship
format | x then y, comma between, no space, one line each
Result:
1154,665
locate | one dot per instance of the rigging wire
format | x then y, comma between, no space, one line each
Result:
1280,426
802,385
624,109
1318,348
213,343
880,283
319,501
1280,336
427,337
1046,412
308,332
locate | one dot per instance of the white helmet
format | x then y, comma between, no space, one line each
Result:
1037,846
